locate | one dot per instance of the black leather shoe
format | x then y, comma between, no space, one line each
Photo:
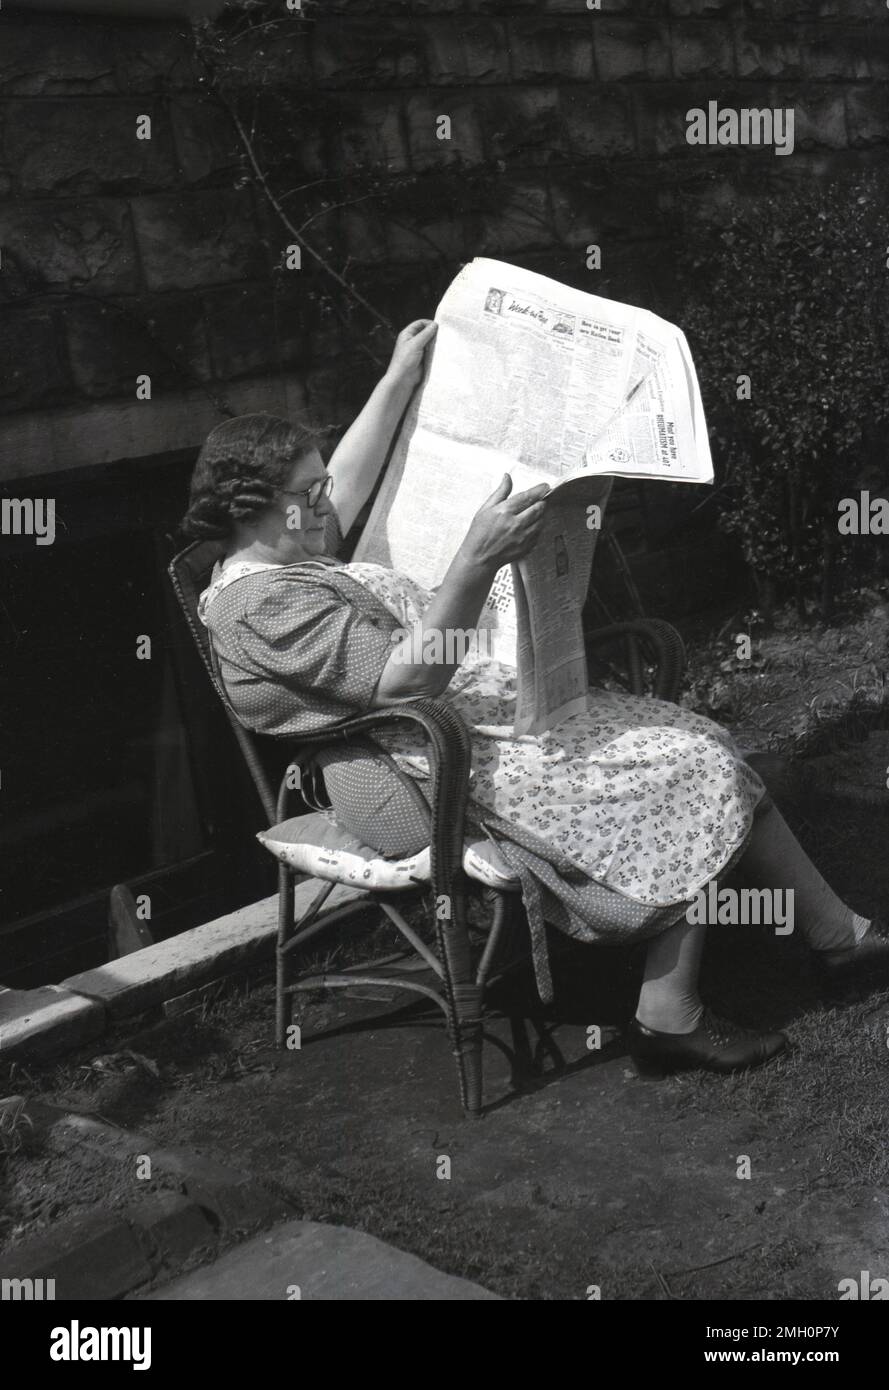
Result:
866,963
715,1045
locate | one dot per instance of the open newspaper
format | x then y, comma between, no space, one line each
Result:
547,383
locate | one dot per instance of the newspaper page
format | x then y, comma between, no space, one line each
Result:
551,587
647,437
547,383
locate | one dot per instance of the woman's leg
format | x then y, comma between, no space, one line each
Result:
775,859
668,1000
672,1030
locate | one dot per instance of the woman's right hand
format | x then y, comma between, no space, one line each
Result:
506,525
504,528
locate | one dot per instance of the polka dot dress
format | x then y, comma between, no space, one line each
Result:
298,650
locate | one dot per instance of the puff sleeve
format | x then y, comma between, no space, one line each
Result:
304,637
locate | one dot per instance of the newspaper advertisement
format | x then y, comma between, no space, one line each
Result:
550,384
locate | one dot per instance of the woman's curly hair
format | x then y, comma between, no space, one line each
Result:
242,464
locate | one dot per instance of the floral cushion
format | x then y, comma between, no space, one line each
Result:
315,844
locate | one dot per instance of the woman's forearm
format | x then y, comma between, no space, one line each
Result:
455,607
356,462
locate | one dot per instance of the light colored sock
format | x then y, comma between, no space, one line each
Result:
861,927
668,1000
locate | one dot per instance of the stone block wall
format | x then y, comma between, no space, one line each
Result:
123,256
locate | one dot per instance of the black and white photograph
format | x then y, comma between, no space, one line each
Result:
444,612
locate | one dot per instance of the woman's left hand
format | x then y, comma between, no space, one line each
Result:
406,366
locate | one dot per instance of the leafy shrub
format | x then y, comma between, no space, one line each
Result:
791,290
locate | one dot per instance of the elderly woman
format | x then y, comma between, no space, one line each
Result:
635,794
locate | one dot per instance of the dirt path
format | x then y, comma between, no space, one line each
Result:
582,1176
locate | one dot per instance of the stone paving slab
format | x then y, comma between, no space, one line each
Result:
309,1260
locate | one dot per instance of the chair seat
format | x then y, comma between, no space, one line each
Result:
314,844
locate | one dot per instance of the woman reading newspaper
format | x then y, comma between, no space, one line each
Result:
634,794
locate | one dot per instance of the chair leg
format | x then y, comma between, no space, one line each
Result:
286,913
472,1073
466,1031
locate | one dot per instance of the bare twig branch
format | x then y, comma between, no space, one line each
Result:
335,207
313,183
316,256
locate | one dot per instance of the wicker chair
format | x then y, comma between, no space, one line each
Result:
463,973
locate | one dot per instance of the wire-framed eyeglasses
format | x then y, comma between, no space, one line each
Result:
322,487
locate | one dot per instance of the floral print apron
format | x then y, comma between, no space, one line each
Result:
647,798
640,795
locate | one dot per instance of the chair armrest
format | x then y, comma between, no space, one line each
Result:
451,750
445,730
659,641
